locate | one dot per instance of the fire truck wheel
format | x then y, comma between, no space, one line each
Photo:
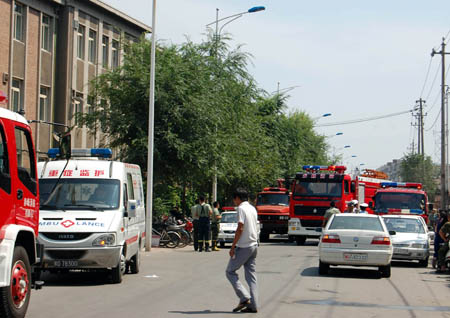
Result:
264,236
118,271
135,263
300,240
15,298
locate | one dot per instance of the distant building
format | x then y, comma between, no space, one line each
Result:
50,51
392,169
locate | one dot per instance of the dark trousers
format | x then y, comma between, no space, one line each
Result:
204,231
214,233
195,223
442,253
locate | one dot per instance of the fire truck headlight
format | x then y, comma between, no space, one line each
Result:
104,240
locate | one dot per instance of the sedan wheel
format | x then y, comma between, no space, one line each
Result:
323,268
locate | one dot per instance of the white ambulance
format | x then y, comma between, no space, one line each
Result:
92,213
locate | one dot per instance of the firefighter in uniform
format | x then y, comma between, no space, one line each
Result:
204,229
215,225
195,216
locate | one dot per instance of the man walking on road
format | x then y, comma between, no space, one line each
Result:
204,221
195,217
243,252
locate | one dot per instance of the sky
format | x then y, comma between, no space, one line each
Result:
354,59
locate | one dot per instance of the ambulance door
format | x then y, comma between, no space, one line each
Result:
132,238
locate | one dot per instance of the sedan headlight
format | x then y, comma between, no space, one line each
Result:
104,240
419,245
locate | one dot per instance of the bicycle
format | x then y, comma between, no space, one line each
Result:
169,239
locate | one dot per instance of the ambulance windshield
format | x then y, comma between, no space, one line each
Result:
79,194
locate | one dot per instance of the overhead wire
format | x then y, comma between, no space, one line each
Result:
353,121
426,77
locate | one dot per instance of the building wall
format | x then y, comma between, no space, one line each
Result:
5,35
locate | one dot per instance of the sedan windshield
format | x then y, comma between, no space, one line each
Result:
356,223
273,199
403,225
329,189
79,194
229,218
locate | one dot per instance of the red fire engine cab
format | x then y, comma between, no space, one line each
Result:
401,198
272,205
19,219
312,192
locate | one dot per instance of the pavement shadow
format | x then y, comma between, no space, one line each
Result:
203,312
75,278
406,264
342,272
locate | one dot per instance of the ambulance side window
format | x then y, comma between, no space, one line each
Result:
26,168
130,186
125,196
5,177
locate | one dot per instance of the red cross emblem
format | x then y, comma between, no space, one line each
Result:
67,223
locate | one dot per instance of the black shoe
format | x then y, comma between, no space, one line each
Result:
248,309
200,250
207,250
242,305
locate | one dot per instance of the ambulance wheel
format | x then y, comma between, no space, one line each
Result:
135,262
300,240
14,299
118,271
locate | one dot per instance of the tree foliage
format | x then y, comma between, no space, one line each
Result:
210,117
418,168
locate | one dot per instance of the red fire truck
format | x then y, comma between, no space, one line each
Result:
19,197
401,198
272,205
312,193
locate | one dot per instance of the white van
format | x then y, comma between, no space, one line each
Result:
92,213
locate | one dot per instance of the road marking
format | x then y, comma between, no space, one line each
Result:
151,276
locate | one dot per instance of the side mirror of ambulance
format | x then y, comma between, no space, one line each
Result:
131,209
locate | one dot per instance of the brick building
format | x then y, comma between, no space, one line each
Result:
49,52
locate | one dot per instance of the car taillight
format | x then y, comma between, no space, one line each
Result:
381,240
331,238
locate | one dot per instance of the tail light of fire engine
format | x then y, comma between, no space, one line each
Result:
331,238
381,240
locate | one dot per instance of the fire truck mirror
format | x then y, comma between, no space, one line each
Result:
371,204
65,147
430,207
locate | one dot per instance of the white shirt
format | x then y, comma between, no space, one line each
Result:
248,216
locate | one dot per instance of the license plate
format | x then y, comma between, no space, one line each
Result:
401,251
355,257
65,263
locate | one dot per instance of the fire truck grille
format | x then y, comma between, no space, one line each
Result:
311,223
310,210
65,236
65,254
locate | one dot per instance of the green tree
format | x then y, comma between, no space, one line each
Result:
419,168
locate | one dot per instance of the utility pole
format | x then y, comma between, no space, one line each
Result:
444,194
420,139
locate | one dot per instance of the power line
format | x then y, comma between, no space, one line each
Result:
434,81
354,121
426,77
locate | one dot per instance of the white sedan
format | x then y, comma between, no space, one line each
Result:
228,226
356,240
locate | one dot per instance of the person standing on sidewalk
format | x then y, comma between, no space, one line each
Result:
204,225
195,216
215,225
243,252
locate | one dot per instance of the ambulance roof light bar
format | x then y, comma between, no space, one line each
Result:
338,169
401,185
83,152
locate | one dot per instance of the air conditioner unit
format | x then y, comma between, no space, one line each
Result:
5,78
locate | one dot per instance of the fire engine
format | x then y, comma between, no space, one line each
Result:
401,198
272,205
312,192
19,197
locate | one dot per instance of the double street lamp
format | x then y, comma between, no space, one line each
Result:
229,19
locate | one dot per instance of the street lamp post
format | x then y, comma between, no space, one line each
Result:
216,40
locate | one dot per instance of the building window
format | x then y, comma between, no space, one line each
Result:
17,95
78,109
44,104
19,22
115,53
81,40
46,35
105,49
92,46
90,104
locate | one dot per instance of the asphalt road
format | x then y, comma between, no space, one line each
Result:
183,283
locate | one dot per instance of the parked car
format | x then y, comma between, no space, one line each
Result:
356,240
411,240
228,226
